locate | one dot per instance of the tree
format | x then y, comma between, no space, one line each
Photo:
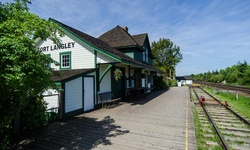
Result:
23,75
231,74
167,55
236,74
216,78
246,79
243,73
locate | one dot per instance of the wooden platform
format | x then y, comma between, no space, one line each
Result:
157,122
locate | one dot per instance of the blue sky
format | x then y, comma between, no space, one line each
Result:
212,34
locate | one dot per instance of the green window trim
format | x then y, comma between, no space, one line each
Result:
67,60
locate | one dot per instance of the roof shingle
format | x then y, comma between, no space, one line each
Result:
100,44
119,38
140,38
60,75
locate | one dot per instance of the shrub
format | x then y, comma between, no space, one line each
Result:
161,83
173,82
33,115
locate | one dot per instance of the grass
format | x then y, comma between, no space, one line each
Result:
242,105
199,133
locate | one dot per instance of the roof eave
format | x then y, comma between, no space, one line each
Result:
75,76
90,45
130,46
141,66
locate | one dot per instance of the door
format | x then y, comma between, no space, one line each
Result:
88,93
118,87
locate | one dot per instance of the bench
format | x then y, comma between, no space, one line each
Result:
137,93
107,99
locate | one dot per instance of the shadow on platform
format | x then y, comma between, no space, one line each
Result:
145,100
76,133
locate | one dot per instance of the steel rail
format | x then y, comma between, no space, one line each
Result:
237,115
224,143
227,87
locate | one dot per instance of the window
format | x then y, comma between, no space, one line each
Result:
65,60
143,54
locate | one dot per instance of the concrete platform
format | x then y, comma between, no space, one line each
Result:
163,120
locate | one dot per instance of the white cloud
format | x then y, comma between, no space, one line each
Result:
215,33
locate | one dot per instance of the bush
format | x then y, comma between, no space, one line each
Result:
5,132
173,82
51,116
33,115
161,83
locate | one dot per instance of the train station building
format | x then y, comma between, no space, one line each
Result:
184,80
88,66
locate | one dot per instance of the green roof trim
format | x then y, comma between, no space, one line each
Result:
140,66
96,45
104,72
58,83
86,43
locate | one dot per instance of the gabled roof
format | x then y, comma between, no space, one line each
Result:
119,38
184,78
140,38
89,39
103,47
61,75
188,77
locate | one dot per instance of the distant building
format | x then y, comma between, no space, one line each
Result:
184,80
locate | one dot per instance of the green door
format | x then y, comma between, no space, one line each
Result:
118,86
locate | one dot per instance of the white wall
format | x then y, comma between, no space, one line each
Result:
51,98
105,85
103,59
189,82
126,71
80,56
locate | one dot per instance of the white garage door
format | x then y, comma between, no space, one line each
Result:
88,93
73,95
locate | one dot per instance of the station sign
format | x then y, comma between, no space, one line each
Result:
57,47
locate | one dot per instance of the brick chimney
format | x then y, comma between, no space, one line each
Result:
125,28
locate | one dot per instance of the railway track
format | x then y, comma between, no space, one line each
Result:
221,123
227,87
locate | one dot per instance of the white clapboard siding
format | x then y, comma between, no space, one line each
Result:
103,59
73,95
51,98
52,101
126,71
105,85
189,82
80,54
